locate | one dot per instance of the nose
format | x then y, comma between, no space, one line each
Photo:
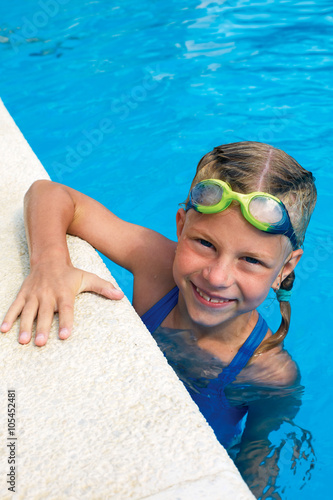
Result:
218,273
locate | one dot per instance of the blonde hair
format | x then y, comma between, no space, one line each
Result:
254,166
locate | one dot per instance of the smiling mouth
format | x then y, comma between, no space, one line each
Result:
213,300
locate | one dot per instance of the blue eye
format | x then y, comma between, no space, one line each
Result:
252,260
206,243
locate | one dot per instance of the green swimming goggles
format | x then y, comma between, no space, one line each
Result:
262,210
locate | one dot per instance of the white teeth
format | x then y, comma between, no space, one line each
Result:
206,297
216,301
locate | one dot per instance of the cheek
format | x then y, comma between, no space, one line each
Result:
256,289
185,262
181,264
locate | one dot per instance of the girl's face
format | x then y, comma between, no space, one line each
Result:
224,266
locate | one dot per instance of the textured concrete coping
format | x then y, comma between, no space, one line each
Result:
101,415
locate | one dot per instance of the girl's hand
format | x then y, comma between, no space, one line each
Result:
51,288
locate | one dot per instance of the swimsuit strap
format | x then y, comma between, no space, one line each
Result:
156,314
242,357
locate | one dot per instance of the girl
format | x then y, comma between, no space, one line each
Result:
239,235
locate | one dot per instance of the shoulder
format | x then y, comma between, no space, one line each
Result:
153,275
274,368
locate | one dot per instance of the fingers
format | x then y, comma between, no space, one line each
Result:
44,320
37,300
110,292
66,318
45,316
93,283
29,310
12,314
28,316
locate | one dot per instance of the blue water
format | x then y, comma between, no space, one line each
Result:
120,101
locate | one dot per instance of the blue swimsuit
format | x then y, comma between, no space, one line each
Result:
225,419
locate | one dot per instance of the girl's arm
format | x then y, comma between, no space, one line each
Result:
262,457
51,211
259,459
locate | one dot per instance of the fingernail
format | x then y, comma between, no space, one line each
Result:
24,337
40,337
4,326
64,333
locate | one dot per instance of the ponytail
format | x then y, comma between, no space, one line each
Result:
283,295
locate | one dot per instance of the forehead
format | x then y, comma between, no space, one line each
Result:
231,228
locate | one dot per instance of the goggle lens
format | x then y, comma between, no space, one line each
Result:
207,195
266,210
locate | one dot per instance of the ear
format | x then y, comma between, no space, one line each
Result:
289,266
180,221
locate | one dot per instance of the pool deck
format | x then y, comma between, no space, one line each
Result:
101,415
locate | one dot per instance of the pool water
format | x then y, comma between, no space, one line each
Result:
120,101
